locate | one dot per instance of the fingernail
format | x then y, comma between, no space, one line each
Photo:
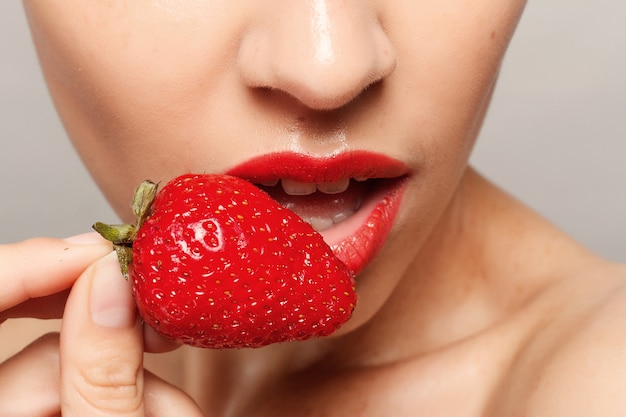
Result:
90,238
111,300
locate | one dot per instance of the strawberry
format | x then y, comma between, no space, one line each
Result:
216,263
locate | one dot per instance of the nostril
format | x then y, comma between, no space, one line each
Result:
323,54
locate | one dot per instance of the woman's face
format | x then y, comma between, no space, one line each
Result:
306,92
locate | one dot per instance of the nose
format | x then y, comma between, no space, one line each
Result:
323,53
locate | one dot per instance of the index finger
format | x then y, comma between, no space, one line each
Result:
40,268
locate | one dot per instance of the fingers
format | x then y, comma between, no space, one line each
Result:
100,367
101,346
46,307
36,274
29,381
29,386
43,267
164,400
155,343
101,353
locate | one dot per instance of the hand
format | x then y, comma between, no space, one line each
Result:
35,275
95,367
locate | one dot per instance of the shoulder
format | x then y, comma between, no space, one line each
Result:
580,360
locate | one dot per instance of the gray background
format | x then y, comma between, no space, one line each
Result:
554,137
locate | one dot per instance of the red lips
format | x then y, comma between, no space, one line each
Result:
356,239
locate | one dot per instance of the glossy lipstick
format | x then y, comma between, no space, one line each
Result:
356,240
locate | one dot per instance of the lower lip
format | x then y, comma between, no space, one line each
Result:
359,238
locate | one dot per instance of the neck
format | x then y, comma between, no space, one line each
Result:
482,262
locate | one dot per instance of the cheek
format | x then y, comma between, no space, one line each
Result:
134,84
450,54
144,90
441,88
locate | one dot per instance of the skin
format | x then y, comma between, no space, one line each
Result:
476,306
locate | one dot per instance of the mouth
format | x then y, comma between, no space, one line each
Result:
351,199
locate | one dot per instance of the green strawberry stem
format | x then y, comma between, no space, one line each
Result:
123,235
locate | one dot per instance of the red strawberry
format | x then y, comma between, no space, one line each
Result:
216,263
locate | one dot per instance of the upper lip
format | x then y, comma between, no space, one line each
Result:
365,211
308,169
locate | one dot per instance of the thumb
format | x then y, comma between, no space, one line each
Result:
101,349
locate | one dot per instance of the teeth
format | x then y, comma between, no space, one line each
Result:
298,188
270,183
334,187
322,223
339,217
292,187
319,223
